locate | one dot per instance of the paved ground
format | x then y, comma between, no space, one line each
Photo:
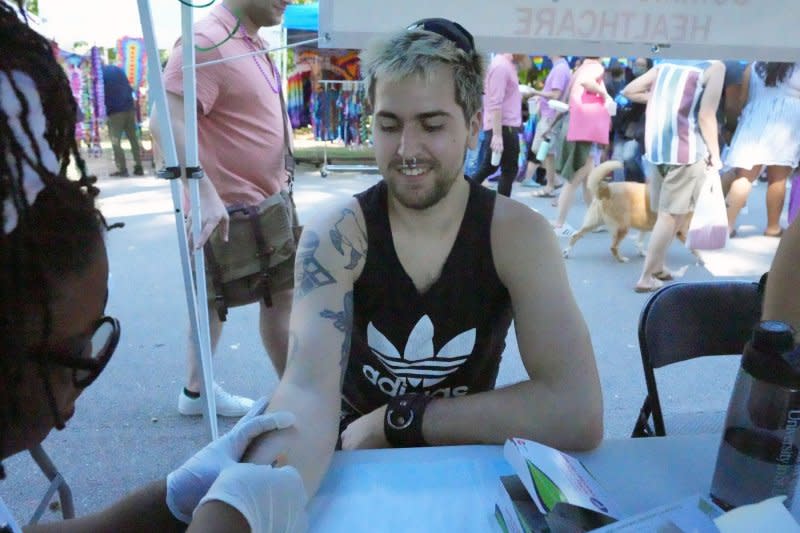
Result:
127,430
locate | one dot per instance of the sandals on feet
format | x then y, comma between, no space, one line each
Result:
649,288
663,275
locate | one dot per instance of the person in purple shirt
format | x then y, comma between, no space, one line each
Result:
555,85
502,119
121,119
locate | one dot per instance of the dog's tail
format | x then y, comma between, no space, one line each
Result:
598,175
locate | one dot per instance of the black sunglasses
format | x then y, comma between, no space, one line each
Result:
86,361
89,357
452,31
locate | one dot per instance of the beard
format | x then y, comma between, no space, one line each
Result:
423,199
264,16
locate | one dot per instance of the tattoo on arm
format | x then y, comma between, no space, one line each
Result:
343,321
343,243
312,275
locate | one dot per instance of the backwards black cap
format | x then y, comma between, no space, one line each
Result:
452,31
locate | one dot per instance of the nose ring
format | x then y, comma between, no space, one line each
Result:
411,163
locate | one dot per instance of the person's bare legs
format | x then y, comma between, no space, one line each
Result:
663,233
193,364
776,194
550,175
530,170
567,196
727,178
738,192
274,328
550,172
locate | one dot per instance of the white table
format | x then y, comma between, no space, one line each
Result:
452,488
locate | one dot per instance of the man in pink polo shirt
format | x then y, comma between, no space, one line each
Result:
240,128
502,119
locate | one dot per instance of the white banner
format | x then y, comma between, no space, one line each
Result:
689,29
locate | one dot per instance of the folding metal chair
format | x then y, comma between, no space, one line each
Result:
57,483
683,321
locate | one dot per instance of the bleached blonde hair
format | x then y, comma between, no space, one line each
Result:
416,53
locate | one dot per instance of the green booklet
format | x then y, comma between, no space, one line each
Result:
550,486
551,476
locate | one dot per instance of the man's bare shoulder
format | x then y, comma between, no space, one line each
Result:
521,236
515,218
344,216
337,235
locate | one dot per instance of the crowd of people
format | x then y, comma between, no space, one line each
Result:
742,121
368,349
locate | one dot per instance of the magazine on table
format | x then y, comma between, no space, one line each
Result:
554,492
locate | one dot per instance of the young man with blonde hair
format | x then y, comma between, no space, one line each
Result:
405,294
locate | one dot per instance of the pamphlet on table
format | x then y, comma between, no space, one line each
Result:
553,491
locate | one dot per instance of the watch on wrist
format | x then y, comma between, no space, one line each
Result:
402,423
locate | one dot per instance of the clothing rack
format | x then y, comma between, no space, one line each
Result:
326,167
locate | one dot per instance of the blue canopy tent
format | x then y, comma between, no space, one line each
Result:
301,22
304,17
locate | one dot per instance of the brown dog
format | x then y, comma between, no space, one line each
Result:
620,206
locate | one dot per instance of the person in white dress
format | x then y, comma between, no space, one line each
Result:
768,134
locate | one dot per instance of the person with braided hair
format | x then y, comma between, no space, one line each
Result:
55,338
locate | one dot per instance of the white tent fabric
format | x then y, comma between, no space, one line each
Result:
102,22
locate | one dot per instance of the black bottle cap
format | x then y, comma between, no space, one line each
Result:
772,336
767,357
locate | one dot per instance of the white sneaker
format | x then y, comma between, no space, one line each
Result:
227,404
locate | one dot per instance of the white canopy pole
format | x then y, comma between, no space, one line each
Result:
194,174
199,326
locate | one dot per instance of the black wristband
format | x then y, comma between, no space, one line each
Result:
402,423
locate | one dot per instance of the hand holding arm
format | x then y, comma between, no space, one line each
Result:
330,257
189,483
271,500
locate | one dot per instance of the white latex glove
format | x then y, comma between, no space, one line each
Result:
272,500
190,482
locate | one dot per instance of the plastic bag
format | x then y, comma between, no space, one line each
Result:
708,229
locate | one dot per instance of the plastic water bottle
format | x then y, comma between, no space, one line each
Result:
758,452
544,147
496,156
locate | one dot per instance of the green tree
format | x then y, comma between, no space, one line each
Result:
32,6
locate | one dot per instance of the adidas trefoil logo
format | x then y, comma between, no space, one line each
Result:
418,364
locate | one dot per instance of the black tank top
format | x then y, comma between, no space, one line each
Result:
444,342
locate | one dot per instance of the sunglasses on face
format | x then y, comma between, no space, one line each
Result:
452,31
88,356
86,359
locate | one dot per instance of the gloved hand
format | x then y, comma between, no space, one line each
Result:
190,482
272,500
